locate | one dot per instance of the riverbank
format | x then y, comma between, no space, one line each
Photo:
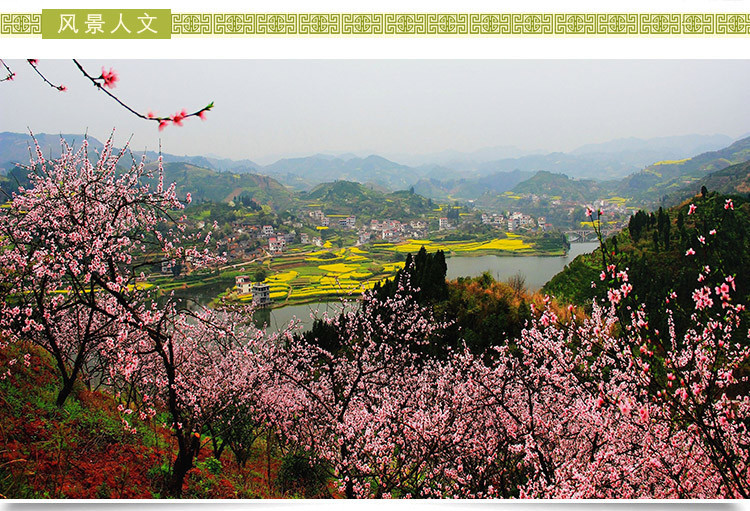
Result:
309,275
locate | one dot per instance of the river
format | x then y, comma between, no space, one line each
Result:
536,269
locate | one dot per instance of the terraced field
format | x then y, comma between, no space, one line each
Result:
512,243
326,273
301,276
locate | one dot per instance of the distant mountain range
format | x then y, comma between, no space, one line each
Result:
304,173
591,171
471,188
14,148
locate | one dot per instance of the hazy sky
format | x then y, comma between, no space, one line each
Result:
269,108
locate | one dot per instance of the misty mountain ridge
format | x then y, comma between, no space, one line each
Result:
14,148
601,168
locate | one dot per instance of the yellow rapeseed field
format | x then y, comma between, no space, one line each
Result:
338,267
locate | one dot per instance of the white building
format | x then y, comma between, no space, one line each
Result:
243,283
276,245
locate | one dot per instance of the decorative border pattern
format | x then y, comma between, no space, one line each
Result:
21,24
426,24
459,24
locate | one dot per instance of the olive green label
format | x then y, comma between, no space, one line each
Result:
106,23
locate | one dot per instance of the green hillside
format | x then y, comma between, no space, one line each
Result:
470,188
547,183
665,251
734,179
210,185
350,198
666,177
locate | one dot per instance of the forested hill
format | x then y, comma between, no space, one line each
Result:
304,173
666,251
210,185
351,198
560,185
665,177
731,180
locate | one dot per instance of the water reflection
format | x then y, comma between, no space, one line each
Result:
537,270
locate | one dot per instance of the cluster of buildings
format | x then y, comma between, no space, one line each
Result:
348,222
514,221
393,230
614,210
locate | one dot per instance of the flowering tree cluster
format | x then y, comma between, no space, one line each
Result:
578,410
197,366
77,243
600,405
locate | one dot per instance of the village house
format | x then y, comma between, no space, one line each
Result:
261,295
317,215
289,237
364,237
243,283
276,245
166,267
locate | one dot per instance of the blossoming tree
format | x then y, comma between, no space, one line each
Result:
602,406
75,244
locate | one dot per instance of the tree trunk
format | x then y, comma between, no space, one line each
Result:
182,464
349,490
68,381
268,458
179,470
65,391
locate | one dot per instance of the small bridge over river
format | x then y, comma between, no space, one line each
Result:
584,235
